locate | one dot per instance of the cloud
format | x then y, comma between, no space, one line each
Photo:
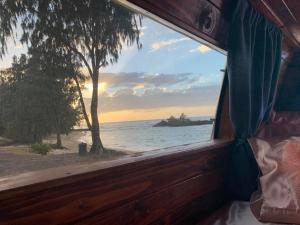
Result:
142,81
201,48
161,44
134,91
125,99
137,79
123,92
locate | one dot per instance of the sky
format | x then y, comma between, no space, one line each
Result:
171,74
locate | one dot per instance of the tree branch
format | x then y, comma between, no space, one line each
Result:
82,57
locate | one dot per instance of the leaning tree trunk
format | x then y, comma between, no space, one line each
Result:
97,146
87,121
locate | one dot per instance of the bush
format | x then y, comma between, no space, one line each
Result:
40,148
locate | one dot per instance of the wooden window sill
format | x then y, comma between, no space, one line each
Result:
68,174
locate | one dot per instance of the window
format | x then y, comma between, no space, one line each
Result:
156,89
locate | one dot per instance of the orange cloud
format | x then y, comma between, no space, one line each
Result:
161,44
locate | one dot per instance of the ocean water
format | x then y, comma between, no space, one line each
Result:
141,136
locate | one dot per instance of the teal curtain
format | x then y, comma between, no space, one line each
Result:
254,56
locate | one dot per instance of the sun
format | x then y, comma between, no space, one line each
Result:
101,87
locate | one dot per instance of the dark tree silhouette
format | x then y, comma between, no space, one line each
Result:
37,98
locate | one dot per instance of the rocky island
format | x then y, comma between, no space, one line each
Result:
182,121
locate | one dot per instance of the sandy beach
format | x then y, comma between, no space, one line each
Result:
127,139
16,159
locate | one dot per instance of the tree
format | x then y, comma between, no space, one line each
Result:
38,98
61,107
22,99
3,93
94,31
182,117
57,70
171,119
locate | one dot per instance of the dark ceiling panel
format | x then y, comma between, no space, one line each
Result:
288,12
294,7
207,19
294,10
285,14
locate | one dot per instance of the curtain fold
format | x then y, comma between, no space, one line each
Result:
254,56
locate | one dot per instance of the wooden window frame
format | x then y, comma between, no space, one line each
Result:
190,178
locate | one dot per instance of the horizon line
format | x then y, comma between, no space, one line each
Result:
101,122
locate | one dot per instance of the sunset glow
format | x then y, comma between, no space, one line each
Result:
89,88
160,113
171,74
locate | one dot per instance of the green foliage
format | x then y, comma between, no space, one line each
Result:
40,148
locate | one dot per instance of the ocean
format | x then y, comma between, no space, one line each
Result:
141,136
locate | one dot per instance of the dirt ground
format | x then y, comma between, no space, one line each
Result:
15,162
16,159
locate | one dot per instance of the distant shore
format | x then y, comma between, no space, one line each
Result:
182,121
183,124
